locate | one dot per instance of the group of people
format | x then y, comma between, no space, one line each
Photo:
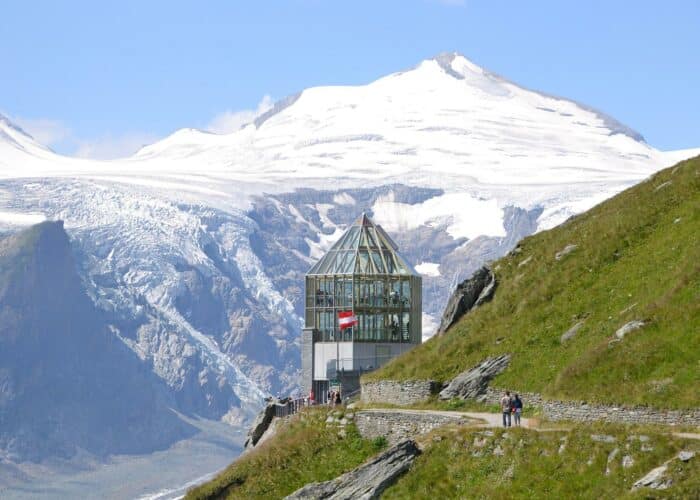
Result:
334,398
511,405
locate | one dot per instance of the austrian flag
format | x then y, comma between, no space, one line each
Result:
346,319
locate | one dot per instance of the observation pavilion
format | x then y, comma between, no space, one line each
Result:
363,307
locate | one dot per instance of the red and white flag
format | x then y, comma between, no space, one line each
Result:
346,319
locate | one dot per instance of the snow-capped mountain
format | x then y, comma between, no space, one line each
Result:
196,246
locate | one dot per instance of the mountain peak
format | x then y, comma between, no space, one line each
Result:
456,64
18,138
6,123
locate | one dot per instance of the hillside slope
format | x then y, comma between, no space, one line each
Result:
462,461
635,257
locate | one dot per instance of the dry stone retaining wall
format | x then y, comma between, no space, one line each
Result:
398,393
398,425
583,412
415,391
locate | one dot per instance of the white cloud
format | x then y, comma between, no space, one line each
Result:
108,147
44,130
58,136
230,121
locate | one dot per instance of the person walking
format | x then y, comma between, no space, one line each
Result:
517,409
338,399
505,408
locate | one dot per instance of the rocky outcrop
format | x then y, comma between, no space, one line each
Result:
260,425
367,481
474,382
658,478
469,294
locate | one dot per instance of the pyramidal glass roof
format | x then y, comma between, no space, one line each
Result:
364,249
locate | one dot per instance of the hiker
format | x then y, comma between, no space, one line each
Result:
517,409
505,408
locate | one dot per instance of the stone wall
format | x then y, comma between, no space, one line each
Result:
415,391
396,425
584,412
399,393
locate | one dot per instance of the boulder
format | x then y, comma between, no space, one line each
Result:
628,327
565,251
658,478
655,479
473,382
603,438
571,332
367,481
469,294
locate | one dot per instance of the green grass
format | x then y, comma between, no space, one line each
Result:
304,450
637,258
462,464
459,462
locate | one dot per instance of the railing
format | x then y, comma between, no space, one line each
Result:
360,365
290,407
389,334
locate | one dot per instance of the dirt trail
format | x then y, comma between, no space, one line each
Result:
489,419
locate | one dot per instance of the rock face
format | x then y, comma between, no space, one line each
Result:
260,425
473,382
66,382
367,481
469,294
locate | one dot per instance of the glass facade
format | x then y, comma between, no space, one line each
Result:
364,273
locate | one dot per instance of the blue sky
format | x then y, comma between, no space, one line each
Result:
99,79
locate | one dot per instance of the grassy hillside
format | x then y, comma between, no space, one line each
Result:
468,463
637,257
303,451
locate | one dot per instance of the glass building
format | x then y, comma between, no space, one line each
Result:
363,273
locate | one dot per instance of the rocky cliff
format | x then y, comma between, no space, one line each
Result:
66,382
